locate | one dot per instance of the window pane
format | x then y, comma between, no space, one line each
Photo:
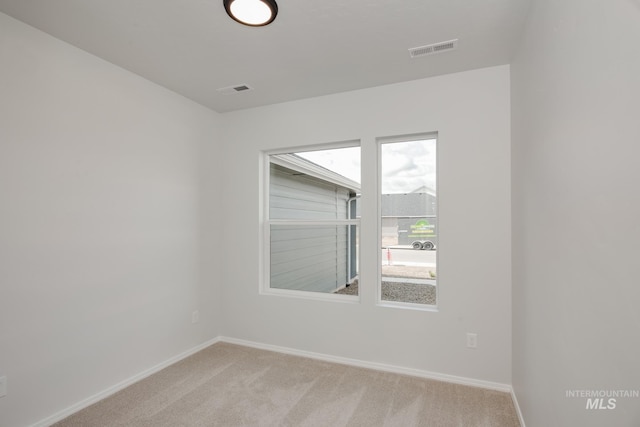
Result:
313,204
409,221
315,185
314,258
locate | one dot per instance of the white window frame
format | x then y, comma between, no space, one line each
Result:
398,139
266,222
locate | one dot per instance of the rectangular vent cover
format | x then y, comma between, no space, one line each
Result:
235,89
433,48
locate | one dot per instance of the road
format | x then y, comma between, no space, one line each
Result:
402,256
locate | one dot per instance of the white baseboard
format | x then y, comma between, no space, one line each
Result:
319,356
518,411
374,365
115,388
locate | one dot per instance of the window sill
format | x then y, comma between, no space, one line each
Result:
408,306
348,299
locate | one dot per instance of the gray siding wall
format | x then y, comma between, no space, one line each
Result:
310,258
409,204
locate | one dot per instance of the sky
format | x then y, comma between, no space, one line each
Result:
406,166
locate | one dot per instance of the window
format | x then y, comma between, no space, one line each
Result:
409,221
312,222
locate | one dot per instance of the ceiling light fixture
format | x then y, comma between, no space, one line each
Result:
254,13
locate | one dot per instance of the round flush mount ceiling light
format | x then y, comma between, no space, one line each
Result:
255,13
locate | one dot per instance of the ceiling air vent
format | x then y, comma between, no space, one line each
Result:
235,89
433,48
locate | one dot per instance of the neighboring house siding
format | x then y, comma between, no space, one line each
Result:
408,205
310,258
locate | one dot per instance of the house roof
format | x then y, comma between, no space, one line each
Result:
304,166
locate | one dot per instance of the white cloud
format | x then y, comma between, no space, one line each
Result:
344,161
406,166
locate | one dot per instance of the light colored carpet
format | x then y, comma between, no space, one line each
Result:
231,385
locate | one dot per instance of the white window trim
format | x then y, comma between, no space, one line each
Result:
265,226
266,222
395,139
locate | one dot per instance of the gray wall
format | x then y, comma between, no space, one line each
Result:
470,112
105,224
576,105
310,258
408,204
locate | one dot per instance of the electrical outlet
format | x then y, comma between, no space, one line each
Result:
3,386
195,316
472,340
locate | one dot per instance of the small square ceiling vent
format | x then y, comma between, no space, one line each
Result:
431,49
235,89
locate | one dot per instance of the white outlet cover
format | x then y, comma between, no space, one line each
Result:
472,340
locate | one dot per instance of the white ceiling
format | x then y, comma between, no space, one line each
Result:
314,47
